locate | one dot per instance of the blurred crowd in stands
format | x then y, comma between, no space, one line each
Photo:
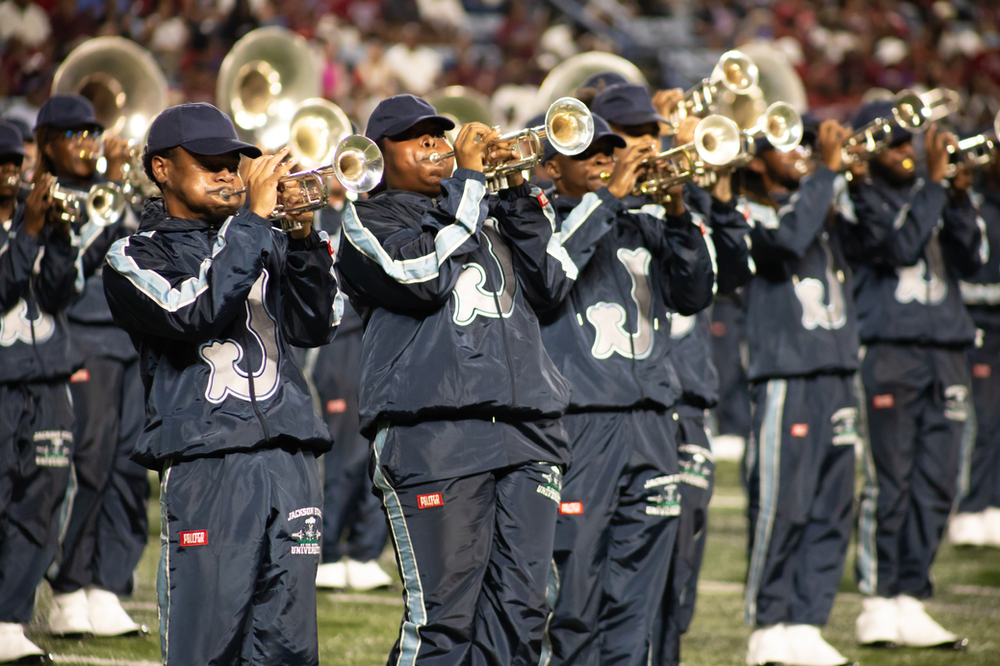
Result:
369,49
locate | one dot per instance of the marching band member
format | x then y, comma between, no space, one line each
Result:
637,120
107,527
977,521
212,297
611,338
802,333
37,357
914,238
458,394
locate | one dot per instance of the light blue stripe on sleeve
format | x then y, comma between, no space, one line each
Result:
555,245
157,287
588,204
446,242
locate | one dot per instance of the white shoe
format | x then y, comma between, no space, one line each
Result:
967,529
918,629
767,646
332,575
364,576
991,527
15,646
107,616
806,647
69,615
878,624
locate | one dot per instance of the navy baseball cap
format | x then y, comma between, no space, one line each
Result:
626,104
67,112
199,128
603,80
11,141
27,131
881,108
601,130
394,115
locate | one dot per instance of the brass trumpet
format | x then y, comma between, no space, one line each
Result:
735,72
909,112
569,127
976,151
717,142
357,164
104,203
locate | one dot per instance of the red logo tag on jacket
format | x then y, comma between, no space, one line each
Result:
543,200
800,429
883,401
81,375
429,501
981,370
338,406
571,508
194,538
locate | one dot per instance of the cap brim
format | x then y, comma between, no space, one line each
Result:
616,140
401,127
221,146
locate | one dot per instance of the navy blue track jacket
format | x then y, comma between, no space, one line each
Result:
611,335
447,287
34,338
692,339
981,292
800,314
212,312
910,245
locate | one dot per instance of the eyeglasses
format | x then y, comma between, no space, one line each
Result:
80,135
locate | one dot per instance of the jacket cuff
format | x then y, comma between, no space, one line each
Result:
467,174
310,242
253,218
516,192
613,203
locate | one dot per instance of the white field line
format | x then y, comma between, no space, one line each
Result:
728,502
366,599
98,661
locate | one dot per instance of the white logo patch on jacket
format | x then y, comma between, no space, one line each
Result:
609,318
471,298
16,326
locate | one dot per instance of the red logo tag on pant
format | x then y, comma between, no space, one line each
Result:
429,501
883,401
81,375
800,429
337,406
571,508
981,370
194,538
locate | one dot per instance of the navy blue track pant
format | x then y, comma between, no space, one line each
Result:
801,492
917,406
36,439
108,525
240,543
353,521
697,478
474,555
728,344
983,489
616,531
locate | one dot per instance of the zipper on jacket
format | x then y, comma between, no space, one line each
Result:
506,351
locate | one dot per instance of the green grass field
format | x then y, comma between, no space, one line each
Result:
358,630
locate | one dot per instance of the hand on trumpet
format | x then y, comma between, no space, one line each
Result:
937,143
116,153
290,195
501,152
473,144
685,131
262,179
665,102
36,206
628,163
832,136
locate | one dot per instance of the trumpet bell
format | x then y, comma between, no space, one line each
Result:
263,78
717,140
358,164
105,204
782,126
910,111
120,78
569,126
317,127
737,72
